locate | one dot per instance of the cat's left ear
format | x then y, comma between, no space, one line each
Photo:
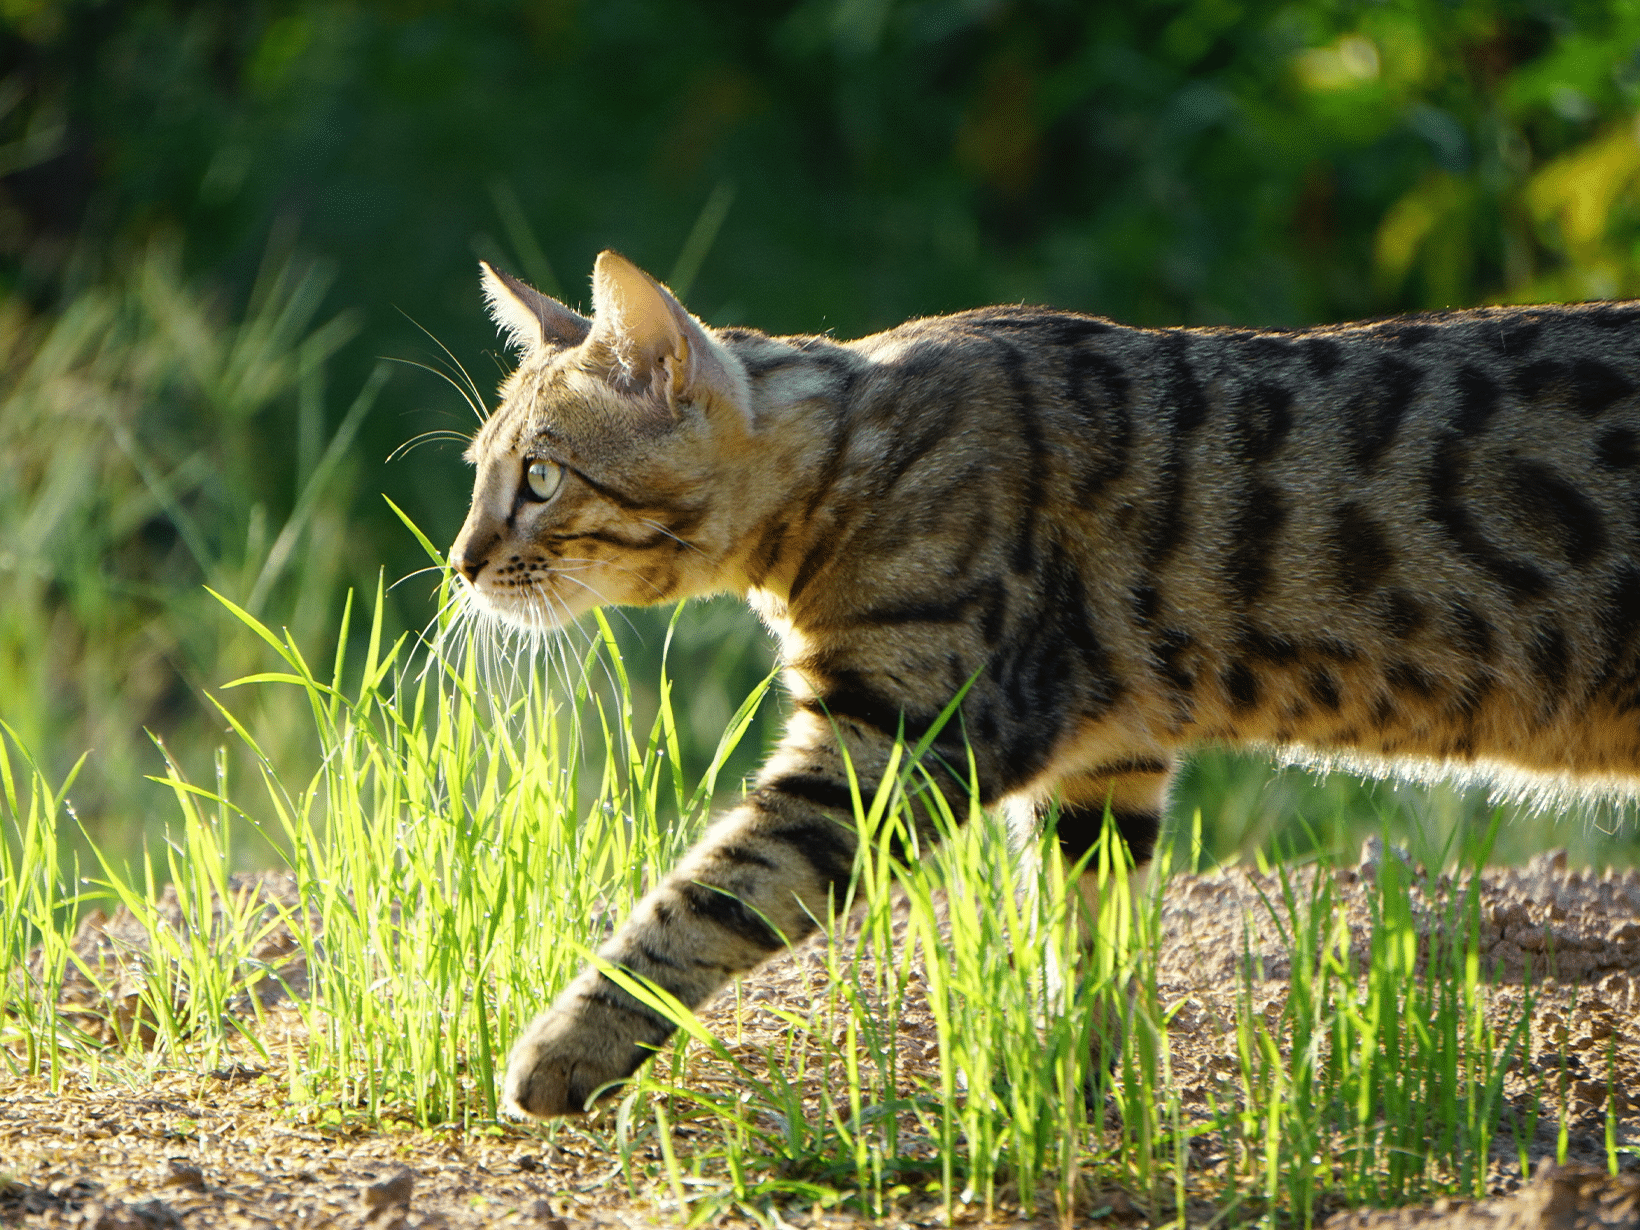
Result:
530,319
646,344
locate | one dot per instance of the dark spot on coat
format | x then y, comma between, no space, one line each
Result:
1402,614
1323,686
1596,386
1241,684
1477,401
1616,449
1551,503
1374,414
1323,354
1361,551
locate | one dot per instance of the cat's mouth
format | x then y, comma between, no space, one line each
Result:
537,606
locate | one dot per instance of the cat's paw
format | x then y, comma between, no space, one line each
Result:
562,1059
593,1035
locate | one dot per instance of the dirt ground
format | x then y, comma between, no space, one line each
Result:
223,1150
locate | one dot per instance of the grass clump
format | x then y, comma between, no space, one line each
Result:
1380,1080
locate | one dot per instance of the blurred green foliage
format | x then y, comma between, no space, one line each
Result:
179,181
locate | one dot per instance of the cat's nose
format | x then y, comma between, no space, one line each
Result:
474,545
470,553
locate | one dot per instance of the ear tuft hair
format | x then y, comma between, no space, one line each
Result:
530,320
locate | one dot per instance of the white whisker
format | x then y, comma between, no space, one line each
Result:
476,401
418,572
656,525
426,437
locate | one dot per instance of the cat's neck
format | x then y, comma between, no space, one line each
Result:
782,474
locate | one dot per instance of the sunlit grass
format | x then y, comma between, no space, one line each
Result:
454,862
133,421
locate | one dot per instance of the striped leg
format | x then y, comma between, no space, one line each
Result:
1136,792
760,878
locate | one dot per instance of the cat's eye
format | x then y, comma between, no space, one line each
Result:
543,478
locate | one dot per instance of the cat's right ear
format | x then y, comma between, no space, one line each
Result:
531,321
645,344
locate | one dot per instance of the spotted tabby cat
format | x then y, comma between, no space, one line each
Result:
1413,540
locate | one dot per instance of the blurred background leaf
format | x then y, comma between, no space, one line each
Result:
215,218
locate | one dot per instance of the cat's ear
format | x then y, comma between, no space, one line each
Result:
646,344
530,320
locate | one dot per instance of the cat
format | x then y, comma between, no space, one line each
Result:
1411,542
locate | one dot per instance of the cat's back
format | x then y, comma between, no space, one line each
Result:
1527,419
1408,537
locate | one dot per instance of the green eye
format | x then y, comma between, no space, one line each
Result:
543,478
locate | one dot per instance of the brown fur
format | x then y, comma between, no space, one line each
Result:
1410,542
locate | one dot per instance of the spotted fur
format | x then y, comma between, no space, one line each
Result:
1406,543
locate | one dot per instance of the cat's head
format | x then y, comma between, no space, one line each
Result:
601,476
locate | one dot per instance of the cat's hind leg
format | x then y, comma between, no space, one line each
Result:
1133,794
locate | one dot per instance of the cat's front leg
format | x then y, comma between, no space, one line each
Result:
593,1034
759,880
